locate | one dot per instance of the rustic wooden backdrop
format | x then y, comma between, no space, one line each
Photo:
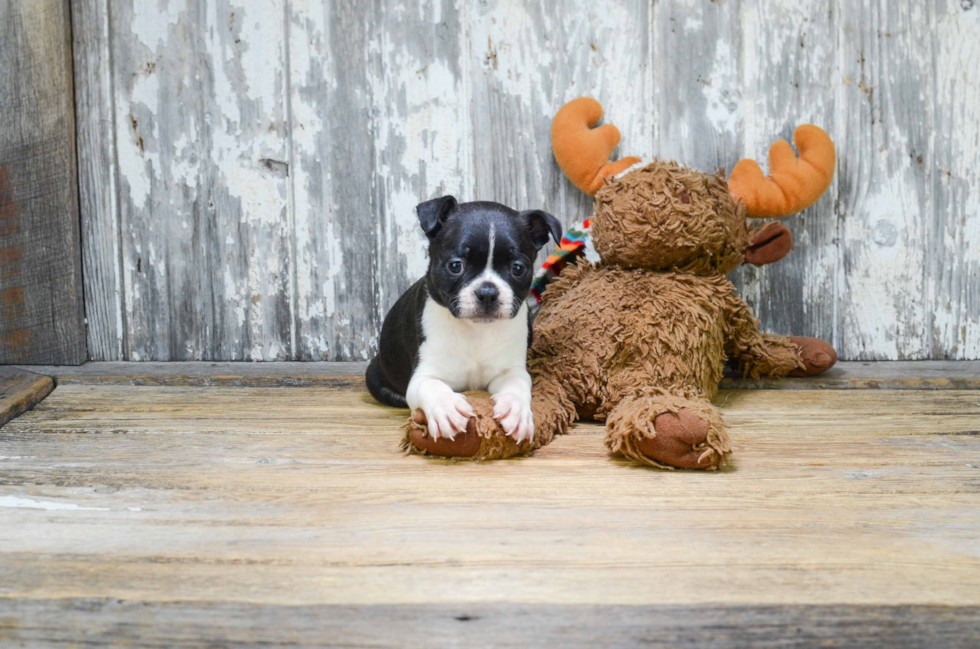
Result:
41,311
248,168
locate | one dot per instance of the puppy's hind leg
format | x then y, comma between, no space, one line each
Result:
379,387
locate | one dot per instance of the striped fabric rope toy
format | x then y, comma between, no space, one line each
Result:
575,243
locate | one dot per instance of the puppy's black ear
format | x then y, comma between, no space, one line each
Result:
542,226
433,214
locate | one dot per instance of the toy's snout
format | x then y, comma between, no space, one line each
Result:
768,244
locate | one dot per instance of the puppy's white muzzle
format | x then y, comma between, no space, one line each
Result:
486,298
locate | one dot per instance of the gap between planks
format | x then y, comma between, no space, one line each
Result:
894,375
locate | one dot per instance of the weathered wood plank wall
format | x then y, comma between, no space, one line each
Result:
41,310
249,168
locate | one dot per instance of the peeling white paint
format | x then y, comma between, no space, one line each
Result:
153,18
423,144
887,321
456,97
721,91
177,163
309,30
956,138
48,505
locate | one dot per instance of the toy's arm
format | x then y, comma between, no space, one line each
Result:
760,354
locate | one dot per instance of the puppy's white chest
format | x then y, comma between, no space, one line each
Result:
468,355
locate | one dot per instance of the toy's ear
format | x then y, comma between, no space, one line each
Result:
583,152
542,226
793,184
433,214
768,244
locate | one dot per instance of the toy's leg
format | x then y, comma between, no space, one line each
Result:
771,356
792,356
464,445
816,355
484,439
667,430
481,431
553,407
760,354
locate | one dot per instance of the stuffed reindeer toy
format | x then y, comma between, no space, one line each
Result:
639,341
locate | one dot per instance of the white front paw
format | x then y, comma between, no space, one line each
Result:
514,414
447,414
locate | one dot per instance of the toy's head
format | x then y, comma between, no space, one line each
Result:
664,216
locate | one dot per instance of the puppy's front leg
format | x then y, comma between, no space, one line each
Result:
511,392
446,412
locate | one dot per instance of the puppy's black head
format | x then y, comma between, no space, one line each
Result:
480,255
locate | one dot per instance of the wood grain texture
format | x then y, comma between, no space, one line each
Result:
200,98
698,95
285,145
20,391
41,310
333,181
107,622
790,79
906,280
953,262
527,59
853,375
97,179
886,127
151,502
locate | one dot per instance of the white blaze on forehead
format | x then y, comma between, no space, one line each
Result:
493,236
468,302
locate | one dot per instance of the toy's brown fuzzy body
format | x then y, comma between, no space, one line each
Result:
627,345
668,217
482,440
640,341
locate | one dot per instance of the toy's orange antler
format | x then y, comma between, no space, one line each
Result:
582,151
793,183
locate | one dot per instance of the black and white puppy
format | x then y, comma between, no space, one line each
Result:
465,325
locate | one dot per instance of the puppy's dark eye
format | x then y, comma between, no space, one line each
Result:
455,267
518,268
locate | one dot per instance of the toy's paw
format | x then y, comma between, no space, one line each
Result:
446,414
680,441
514,415
465,444
817,356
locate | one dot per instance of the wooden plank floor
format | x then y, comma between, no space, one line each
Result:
845,375
227,516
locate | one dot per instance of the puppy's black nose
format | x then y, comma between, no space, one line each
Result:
487,294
